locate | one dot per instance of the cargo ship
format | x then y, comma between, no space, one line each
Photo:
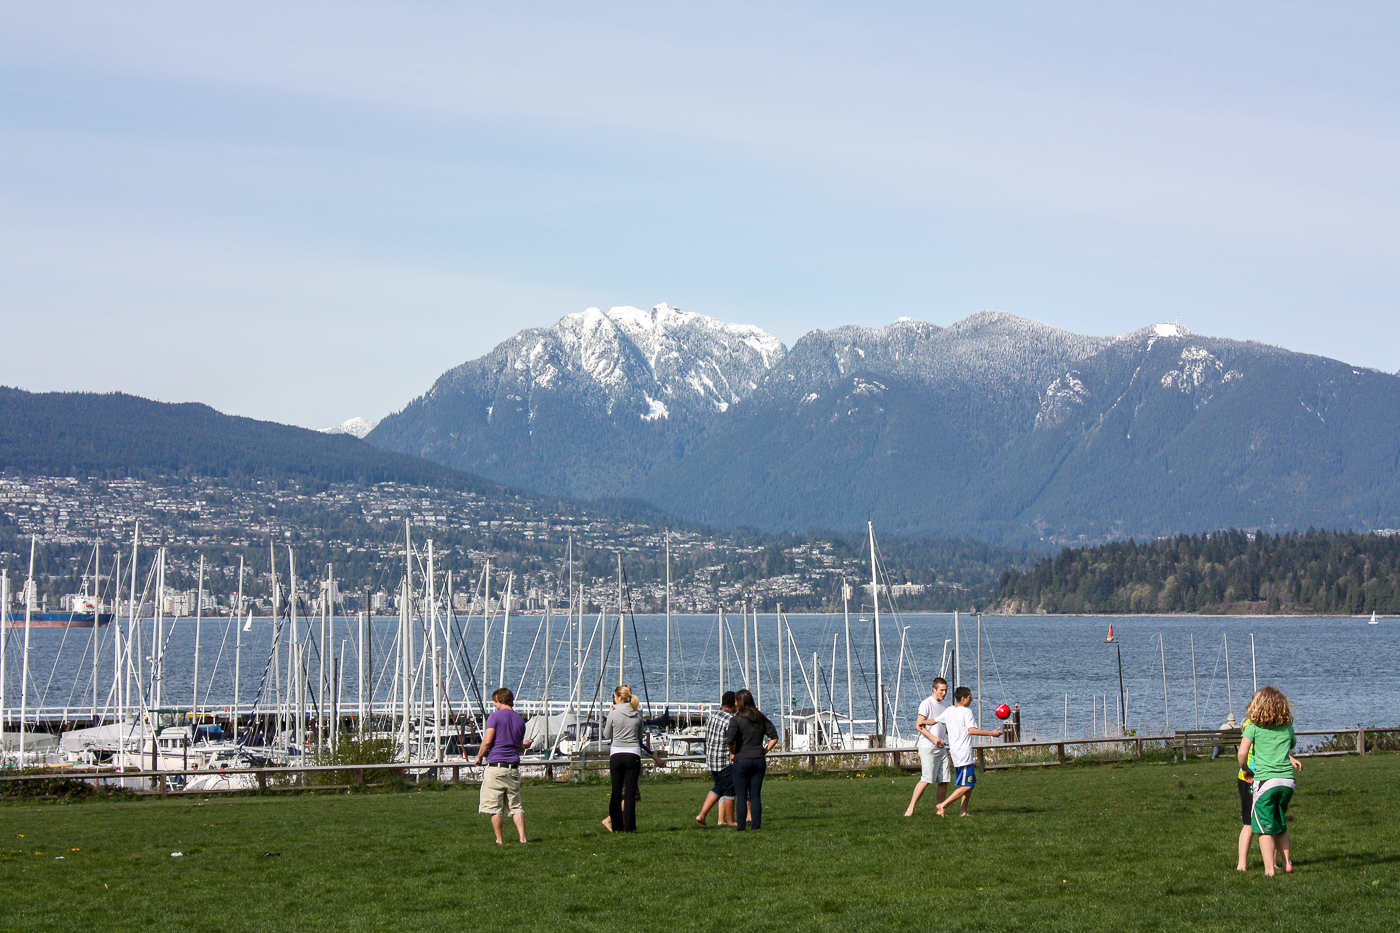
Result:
82,613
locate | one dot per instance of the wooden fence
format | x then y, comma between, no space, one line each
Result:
455,770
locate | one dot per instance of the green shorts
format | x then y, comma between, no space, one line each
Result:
1269,814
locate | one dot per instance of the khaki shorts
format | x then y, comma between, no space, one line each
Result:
500,791
936,766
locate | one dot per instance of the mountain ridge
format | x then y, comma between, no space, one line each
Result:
995,426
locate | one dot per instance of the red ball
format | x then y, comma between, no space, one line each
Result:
1003,711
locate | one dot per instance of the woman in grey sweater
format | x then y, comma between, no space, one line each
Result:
625,729
746,737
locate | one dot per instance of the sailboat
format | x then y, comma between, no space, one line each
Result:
1373,617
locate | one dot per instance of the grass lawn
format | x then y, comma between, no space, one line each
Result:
1142,846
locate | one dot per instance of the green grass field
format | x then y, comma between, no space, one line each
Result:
1142,846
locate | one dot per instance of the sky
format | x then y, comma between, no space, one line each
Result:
307,212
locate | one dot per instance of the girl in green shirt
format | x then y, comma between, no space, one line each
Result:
1266,748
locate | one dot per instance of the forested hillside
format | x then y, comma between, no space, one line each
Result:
108,436
1322,572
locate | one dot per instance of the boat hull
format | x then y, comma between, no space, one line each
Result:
57,619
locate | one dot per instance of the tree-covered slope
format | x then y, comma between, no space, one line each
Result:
1230,572
115,435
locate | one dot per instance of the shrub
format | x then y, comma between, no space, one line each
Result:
358,750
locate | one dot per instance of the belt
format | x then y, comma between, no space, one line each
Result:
503,764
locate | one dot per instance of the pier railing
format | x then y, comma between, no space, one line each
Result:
991,756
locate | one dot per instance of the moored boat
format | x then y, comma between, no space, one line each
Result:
58,619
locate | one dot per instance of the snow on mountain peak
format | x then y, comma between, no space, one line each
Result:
356,427
659,363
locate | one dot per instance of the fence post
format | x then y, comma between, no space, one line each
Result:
1139,746
456,773
262,780
359,777
1060,752
1360,741
981,758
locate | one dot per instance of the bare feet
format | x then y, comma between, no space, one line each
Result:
909,812
701,820
607,823
939,810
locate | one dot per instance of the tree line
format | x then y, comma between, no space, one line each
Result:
1313,572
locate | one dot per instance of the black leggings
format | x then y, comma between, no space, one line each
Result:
626,770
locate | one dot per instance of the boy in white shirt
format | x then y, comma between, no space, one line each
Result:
933,745
961,728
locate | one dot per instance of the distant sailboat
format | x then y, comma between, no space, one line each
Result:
1373,617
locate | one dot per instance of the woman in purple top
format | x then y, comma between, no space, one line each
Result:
500,779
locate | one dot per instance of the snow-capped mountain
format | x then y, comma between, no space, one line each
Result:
995,427
355,427
574,407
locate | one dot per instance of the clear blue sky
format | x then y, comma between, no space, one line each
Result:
307,212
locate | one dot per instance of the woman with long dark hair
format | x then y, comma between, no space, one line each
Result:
746,737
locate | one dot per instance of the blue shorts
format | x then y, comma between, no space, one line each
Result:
724,783
966,776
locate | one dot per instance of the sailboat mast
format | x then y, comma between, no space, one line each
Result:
879,654
433,647
96,621
747,685
4,626
719,622
621,627
132,632
158,647
116,634
198,634
1195,695
486,680
505,626
957,651
548,671
758,663
237,651
276,639
321,672
1229,689
850,681
405,639
668,618
979,670
569,629
24,679
782,707
298,687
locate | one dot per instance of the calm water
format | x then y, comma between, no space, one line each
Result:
1338,672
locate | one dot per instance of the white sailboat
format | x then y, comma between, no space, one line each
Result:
1373,617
